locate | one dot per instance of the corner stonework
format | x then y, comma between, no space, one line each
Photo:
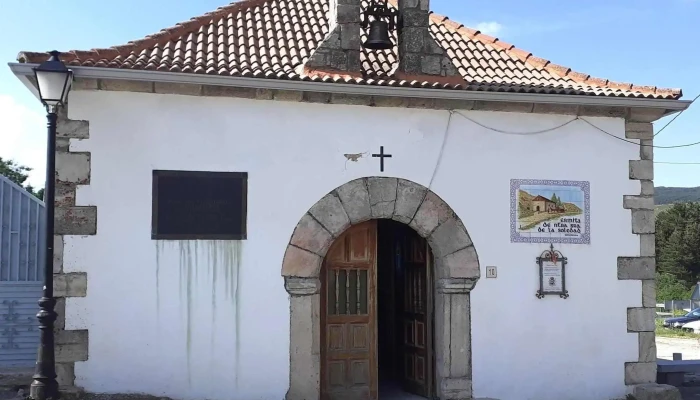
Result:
640,320
419,52
340,49
72,170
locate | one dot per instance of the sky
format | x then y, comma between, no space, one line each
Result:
646,42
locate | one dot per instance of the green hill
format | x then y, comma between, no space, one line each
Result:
669,195
572,208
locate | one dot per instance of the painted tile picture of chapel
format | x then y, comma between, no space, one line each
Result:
547,211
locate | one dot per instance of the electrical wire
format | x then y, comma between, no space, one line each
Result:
517,133
567,123
676,163
451,112
677,115
442,149
638,144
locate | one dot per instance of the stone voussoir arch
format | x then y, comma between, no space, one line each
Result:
456,272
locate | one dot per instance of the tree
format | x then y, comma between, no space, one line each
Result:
19,175
39,193
556,200
15,172
677,249
670,288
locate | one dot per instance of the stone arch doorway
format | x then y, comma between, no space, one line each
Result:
456,271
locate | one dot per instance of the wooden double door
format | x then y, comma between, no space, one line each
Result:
376,313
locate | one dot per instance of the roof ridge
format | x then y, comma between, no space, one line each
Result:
179,48
164,35
538,62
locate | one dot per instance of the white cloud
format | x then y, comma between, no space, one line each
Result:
23,137
491,28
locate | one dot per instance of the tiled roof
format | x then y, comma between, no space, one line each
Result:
542,198
274,38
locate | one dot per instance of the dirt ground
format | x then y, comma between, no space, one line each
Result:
690,349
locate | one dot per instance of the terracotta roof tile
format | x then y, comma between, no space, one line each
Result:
274,39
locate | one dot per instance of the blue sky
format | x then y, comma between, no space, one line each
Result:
647,42
568,195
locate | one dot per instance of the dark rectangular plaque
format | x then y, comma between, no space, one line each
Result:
199,205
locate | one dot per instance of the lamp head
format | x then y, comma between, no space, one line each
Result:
53,81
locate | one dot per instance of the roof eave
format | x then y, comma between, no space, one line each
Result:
24,70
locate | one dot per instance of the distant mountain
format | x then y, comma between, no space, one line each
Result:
670,195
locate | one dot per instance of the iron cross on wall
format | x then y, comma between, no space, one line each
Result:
381,156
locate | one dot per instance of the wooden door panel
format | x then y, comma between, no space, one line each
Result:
415,371
337,252
335,338
419,371
410,332
336,374
360,335
348,315
417,306
359,247
420,335
359,372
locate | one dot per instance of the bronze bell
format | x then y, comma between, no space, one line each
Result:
378,37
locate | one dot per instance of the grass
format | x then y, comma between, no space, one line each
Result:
673,333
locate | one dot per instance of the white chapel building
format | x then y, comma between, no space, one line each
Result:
256,204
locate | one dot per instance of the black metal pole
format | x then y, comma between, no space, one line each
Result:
44,386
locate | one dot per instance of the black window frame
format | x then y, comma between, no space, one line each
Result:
157,173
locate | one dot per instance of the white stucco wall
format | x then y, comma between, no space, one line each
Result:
225,334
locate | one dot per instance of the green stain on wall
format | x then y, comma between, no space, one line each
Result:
159,250
237,302
214,268
222,259
186,266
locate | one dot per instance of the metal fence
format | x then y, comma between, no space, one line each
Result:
21,267
670,307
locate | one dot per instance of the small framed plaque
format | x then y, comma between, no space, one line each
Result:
198,205
552,266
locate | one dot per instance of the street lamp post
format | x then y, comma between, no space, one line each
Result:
53,81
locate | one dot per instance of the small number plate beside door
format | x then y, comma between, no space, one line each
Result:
491,272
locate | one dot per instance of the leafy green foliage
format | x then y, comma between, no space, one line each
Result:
678,241
38,193
668,287
677,250
19,175
15,172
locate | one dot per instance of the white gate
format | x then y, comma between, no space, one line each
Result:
21,273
